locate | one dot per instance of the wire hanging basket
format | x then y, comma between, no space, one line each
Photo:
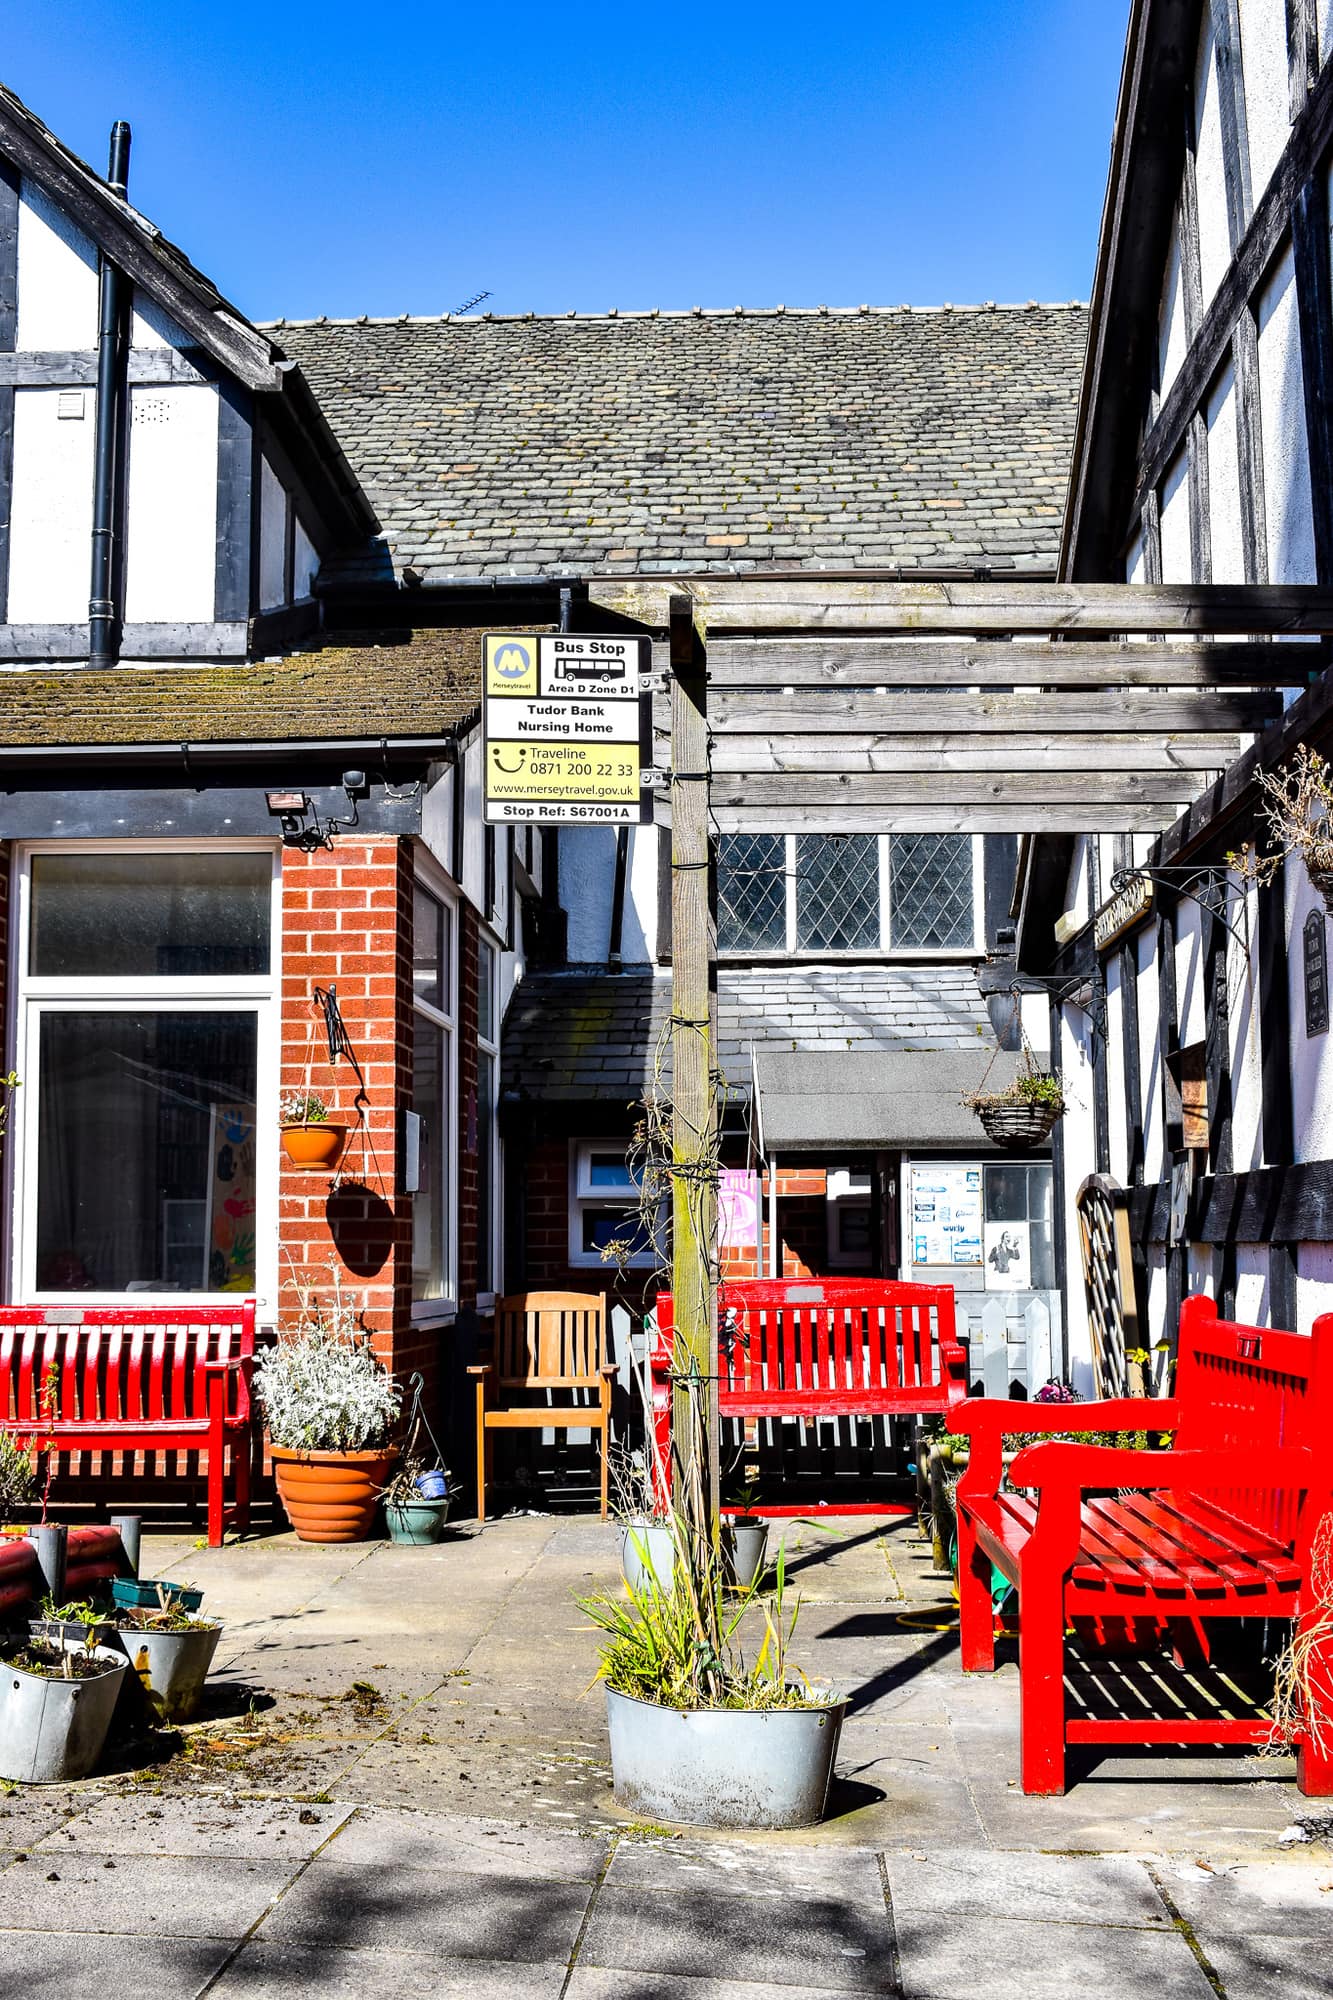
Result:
1024,1113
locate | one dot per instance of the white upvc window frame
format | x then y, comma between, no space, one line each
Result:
430,876
36,996
583,1195
894,954
489,1111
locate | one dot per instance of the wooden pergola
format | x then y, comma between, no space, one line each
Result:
840,704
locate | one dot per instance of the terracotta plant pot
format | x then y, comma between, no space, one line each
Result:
331,1496
314,1147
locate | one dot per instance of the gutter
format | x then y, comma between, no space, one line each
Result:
36,756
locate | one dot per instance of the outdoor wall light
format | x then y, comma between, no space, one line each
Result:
299,817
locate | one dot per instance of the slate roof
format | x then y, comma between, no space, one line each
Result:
654,442
590,1035
882,1098
417,683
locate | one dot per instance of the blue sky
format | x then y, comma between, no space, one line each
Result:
390,158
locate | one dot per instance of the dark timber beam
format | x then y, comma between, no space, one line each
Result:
1314,305
9,246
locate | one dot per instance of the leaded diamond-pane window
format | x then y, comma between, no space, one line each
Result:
752,892
837,892
930,890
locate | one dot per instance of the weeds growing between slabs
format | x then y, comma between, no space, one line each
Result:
678,1645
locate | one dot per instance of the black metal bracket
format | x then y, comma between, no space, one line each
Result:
1202,882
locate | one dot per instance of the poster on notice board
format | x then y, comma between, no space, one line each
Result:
946,1215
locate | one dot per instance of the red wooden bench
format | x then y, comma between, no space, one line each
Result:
1221,1525
823,1347
157,1379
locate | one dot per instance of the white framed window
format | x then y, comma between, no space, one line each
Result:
850,1215
849,895
604,1205
433,1094
146,1037
488,1151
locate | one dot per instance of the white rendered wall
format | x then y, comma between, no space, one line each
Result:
171,543
51,521
1324,19
1214,236
1080,1160
437,817
1189,973
1252,1283
272,538
1247,1146
1291,556
1311,1057
1135,566
57,278
1150,1064
1115,1067
305,564
1171,338
1177,555
152,326
587,879
1263,51
1314,1283
1228,549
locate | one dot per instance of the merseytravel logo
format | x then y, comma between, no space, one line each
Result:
511,664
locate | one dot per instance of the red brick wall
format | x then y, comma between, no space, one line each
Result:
802,1226
347,922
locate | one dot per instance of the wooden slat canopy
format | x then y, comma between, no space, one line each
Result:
839,704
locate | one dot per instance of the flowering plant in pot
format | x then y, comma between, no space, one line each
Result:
310,1138
1024,1113
331,1407
699,1733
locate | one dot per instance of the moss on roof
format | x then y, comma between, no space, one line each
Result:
424,682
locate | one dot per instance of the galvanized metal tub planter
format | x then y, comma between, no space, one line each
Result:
417,1522
172,1666
72,1632
647,1555
747,1550
751,1767
52,1730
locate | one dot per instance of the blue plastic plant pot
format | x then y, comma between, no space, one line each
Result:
433,1485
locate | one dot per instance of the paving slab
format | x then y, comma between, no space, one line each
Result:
1293,1900
1047,1888
46,1965
140,1895
459,1913
28,1816
825,1941
1268,1968
295,1972
383,1837
687,1864
287,1832
595,1983
1016,1959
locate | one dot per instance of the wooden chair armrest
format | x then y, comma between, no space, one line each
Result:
483,1368
1096,1465
610,1368
981,1415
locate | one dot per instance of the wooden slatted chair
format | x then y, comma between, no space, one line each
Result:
545,1343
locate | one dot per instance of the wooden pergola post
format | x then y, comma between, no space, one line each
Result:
694,1258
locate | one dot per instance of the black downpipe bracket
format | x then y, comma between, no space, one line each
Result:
104,618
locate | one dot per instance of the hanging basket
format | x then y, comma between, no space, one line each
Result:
1322,880
1014,1122
314,1148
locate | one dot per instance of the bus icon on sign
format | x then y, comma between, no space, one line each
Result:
589,670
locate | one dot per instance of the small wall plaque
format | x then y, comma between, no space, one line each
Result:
1316,974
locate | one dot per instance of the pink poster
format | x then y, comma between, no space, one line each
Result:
738,1209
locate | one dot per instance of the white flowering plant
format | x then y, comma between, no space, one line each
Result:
322,1385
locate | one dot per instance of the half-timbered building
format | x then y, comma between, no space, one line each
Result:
1195,1044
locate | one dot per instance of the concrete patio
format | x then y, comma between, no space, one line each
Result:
400,1787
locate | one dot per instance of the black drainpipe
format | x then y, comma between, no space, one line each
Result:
109,445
